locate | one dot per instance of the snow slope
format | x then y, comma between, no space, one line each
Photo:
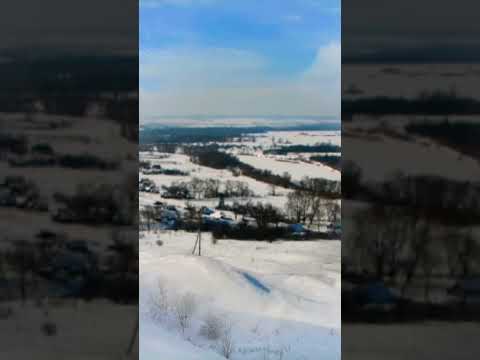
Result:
282,299
158,343
105,330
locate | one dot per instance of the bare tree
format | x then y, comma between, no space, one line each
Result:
463,251
317,210
273,190
333,211
242,189
428,263
264,214
287,176
211,188
22,259
229,187
379,240
298,203
148,215
418,235
197,187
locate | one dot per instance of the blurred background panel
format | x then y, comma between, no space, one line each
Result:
410,179
68,183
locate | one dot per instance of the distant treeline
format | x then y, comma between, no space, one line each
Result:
209,156
180,135
436,198
177,135
219,160
96,204
324,147
435,103
42,154
169,148
107,81
462,136
87,76
16,144
330,160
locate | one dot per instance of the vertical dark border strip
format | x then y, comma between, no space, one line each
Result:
69,179
411,259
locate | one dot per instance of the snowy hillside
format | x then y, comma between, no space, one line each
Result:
242,299
281,300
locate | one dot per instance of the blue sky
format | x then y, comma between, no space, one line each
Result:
239,57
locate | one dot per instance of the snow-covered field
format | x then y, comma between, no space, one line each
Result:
297,165
75,137
311,137
183,163
381,158
297,169
96,330
251,151
72,136
409,80
382,148
281,299
429,340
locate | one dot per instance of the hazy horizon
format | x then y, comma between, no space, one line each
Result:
239,121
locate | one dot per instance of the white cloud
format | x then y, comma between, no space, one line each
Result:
327,65
232,82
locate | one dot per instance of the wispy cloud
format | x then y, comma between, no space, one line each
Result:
178,68
207,89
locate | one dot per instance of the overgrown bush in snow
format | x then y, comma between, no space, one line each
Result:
49,329
184,308
212,327
159,303
226,342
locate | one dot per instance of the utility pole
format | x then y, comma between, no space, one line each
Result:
198,219
198,242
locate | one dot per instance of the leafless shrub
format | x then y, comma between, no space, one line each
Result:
159,303
266,353
5,313
184,309
49,328
226,342
212,327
